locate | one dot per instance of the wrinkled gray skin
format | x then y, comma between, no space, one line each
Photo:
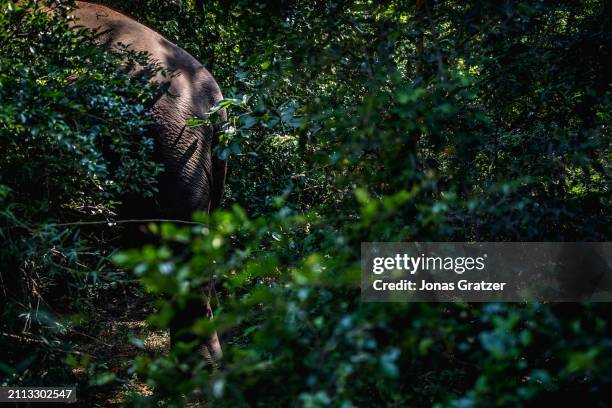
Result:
193,179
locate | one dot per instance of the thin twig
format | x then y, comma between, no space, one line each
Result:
111,223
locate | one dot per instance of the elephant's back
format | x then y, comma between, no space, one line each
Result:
191,79
119,28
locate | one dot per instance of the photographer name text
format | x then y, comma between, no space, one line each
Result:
425,286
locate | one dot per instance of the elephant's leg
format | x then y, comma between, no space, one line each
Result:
182,322
212,348
193,181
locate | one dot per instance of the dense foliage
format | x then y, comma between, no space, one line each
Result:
71,145
349,122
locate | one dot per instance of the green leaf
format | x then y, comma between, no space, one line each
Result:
195,122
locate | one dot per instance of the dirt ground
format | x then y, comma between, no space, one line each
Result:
106,343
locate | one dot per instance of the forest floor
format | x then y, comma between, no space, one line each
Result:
110,344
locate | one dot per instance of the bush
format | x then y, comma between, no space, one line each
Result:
380,122
351,121
72,143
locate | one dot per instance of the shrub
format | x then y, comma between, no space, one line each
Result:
391,121
72,143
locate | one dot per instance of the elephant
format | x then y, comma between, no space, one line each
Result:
194,178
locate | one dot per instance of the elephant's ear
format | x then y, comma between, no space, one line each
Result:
219,171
